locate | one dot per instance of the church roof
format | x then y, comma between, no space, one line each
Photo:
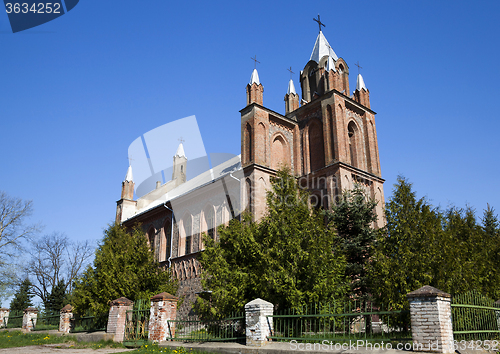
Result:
180,151
291,88
360,83
255,77
322,48
129,176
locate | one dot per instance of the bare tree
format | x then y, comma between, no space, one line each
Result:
13,227
55,258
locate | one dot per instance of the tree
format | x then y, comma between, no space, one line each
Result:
57,297
405,254
123,266
22,298
289,258
14,228
54,259
422,245
353,216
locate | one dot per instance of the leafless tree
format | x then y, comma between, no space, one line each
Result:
13,227
53,258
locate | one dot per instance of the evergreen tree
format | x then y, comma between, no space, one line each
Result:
289,258
22,298
353,217
55,300
123,266
405,253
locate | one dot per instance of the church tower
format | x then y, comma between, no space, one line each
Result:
125,207
179,168
329,142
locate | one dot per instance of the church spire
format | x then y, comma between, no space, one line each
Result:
129,177
255,90
360,84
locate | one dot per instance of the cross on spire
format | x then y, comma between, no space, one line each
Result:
291,72
181,140
359,67
256,61
319,22
130,161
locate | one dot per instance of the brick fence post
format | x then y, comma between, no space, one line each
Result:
65,319
30,315
163,309
258,326
4,317
431,327
117,316
497,313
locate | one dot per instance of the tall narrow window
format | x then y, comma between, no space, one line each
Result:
167,229
352,144
188,232
210,220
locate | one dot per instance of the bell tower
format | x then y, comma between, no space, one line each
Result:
328,140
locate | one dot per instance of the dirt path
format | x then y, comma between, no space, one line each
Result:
59,349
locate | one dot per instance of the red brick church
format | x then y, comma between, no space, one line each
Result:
327,138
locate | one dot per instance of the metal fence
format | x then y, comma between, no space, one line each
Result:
88,323
475,317
230,329
137,324
46,321
14,320
339,323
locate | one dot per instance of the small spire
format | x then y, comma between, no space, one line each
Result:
291,88
361,83
129,177
330,65
322,48
254,79
180,151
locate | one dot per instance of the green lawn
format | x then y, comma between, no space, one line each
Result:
11,339
153,348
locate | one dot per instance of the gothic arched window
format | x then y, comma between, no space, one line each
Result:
353,143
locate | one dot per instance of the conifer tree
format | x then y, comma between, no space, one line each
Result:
56,298
289,258
22,298
353,217
123,266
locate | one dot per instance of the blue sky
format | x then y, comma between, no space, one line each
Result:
77,91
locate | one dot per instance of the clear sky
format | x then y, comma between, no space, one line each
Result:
76,92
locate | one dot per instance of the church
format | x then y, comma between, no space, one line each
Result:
327,137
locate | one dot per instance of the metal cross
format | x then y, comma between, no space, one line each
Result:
181,140
319,23
256,61
291,72
359,67
129,161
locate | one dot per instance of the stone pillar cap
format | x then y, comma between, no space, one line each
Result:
427,291
4,309
122,301
258,301
164,296
30,309
496,302
67,308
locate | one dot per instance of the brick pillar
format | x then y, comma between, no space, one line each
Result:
4,317
163,309
65,319
497,313
431,326
29,318
258,326
116,319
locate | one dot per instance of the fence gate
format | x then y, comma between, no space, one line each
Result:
475,317
136,324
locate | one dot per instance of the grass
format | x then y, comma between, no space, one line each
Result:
154,348
11,339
